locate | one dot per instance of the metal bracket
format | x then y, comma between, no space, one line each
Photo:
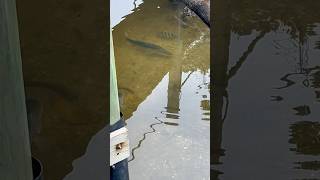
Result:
119,145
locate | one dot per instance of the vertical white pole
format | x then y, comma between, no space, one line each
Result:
15,156
114,99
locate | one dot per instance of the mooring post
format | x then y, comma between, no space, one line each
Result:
15,155
119,144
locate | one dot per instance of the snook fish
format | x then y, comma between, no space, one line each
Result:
152,48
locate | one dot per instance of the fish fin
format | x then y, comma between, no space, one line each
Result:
126,34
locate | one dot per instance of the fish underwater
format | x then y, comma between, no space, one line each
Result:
276,98
171,123
149,47
167,35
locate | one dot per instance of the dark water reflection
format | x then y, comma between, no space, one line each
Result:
305,135
63,46
266,90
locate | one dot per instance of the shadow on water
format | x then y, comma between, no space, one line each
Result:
65,93
162,59
265,70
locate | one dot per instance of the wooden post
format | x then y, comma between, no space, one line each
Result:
15,156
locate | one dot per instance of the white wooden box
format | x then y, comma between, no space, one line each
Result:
119,145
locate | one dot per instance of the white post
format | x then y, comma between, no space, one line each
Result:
15,156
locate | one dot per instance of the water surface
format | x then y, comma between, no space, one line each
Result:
64,66
163,80
265,90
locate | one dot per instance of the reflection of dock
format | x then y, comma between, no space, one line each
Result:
231,18
138,71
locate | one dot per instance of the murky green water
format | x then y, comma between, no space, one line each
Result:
163,78
63,45
266,90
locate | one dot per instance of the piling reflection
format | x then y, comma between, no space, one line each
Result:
174,89
289,28
221,41
221,74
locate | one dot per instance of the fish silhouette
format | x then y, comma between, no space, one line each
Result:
276,98
149,47
302,110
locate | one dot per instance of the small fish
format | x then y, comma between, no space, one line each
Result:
167,35
171,123
302,110
276,98
172,116
152,48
